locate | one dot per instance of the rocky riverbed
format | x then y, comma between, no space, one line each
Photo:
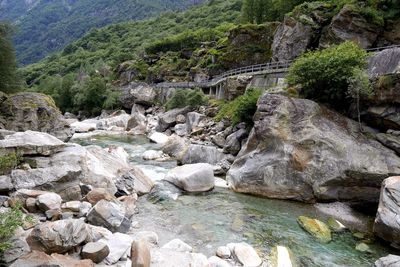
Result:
161,188
212,219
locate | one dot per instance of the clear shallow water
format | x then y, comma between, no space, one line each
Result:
208,220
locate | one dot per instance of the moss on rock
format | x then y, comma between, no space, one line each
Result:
316,228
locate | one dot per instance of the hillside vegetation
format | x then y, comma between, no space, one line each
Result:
45,26
126,41
193,45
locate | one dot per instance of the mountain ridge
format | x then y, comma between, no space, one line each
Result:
46,26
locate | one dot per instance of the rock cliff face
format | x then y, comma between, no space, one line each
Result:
302,151
300,31
33,111
350,25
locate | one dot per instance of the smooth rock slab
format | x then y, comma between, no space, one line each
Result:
95,251
192,177
32,143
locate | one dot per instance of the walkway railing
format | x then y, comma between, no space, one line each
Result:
266,68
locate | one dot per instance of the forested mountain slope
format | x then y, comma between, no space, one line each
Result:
126,41
45,26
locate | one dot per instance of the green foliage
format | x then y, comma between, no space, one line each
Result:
80,92
241,109
126,41
47,26
187,97
359,84
188,40
9,81
260,11
324,74
9,222
8,162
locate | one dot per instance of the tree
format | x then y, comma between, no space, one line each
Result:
248,11
324,74
9,81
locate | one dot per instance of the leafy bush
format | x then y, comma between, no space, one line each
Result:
241,109
187,97
323,75
8,162
9,222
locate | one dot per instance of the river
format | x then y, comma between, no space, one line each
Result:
208,220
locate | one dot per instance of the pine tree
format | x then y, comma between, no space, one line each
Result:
9,81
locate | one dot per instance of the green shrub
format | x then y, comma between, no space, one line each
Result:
241,109
187,97
323,75
8,162
9,222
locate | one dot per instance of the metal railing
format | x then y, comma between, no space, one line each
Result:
266,68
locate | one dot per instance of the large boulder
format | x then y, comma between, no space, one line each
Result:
168,119
111,215
302,151
192,177
138,93
350,25
118,119
245,254
387,222
64,171
31,143
140,253
58,237
134,181
95,251
33,111
201,154
119,245
234,141
37,258
176,146
161,257
193,121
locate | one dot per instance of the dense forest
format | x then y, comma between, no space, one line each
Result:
45,26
